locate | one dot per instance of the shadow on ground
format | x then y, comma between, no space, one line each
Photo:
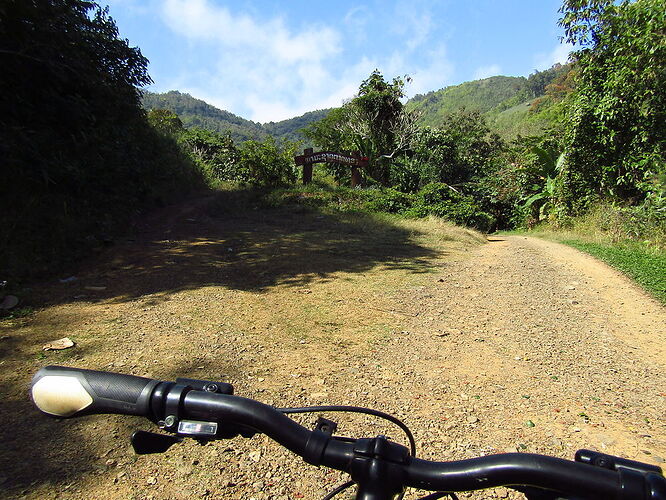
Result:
39,451
203,244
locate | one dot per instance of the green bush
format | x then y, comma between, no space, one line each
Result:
615,134
215,154
266,164
646,222
443,201
388,200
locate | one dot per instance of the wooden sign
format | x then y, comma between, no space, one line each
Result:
331,157
309,157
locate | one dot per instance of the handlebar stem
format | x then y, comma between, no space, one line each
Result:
378,468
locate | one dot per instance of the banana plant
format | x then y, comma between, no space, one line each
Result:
551,167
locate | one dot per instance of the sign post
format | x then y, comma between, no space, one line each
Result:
308,158
307,168
356,177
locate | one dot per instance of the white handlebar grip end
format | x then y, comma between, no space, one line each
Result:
60,395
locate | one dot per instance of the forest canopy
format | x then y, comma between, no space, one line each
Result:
79,157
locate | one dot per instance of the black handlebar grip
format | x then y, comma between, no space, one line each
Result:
71,392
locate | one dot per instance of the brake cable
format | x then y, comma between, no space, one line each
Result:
340,489
355,409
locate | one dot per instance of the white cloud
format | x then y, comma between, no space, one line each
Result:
267,70
487,71
434,74
357,17
414,22
356,23
263,67
201,20
560,54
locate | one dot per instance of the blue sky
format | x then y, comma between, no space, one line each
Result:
266,60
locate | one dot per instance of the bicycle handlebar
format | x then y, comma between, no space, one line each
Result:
381,468
68,392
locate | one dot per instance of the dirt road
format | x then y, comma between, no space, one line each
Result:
516,344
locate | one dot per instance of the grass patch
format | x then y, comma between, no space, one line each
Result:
18,313
645,265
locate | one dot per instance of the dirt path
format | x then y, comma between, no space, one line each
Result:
514,345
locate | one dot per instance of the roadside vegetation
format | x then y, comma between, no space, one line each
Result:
78,157
84,159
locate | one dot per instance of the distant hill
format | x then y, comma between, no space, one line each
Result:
505,101
197,113
511,105
479,95
289,129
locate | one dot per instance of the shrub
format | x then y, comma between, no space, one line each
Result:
267,164
389,200
443,201
215,154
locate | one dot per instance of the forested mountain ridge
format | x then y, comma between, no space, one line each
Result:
478,95
195,112
505,101
289,129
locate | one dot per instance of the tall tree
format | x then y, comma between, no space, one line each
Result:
379,125
77,153
374,122
66,73
616,137
458,151
165,121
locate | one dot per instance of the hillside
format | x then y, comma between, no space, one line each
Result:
479,95
518,120
505,101
289,129
197,113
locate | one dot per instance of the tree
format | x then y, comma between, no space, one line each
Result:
374,122
267,164
216,154
616,138
539,80
77,153
165,121
455,153
379,125
65,72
